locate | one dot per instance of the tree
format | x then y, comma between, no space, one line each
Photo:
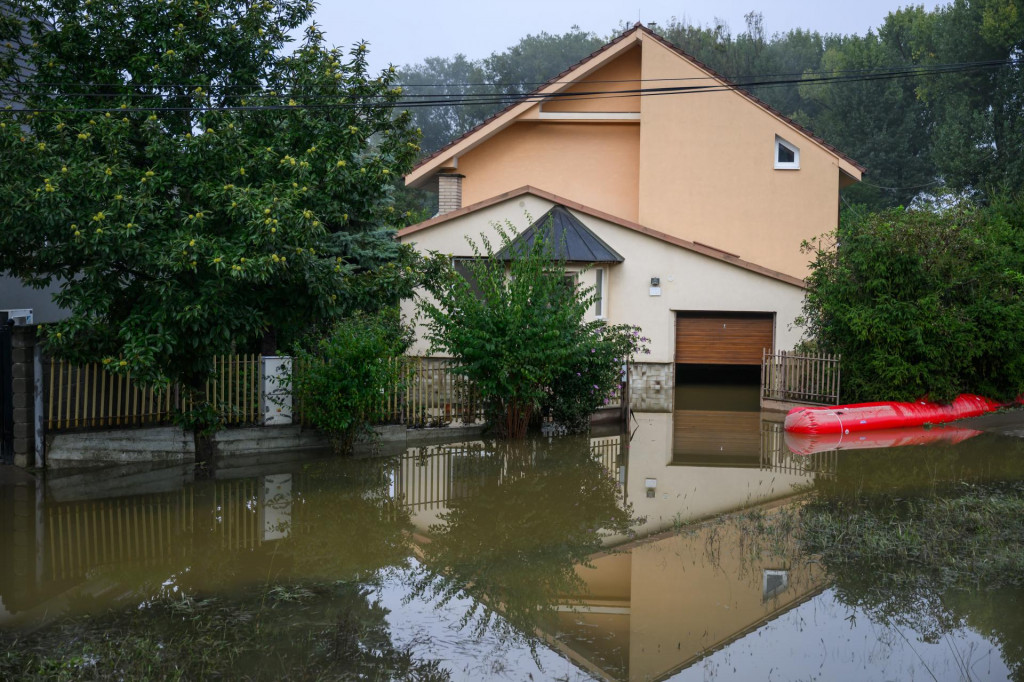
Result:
979,112
440,79
535,59
923,304
192,186
881,123
518,333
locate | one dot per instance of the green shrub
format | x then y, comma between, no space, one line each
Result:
518,332
593,376
342,378
921,303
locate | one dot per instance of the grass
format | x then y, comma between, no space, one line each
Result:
295,632
964,535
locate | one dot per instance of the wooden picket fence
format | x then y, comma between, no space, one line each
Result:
799,378
434,395
88,396
428,394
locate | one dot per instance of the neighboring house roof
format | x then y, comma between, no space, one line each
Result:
695,247
572,240
506,116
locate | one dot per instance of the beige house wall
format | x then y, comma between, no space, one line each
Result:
595,164
689,281
622,74
699,166
707,172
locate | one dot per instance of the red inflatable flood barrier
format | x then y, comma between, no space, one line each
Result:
845,419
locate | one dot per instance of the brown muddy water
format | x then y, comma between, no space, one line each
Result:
665,552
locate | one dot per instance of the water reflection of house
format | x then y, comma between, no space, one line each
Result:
695,464
662,604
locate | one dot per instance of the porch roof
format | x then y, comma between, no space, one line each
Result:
570,239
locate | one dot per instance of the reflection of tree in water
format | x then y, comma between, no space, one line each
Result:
347,523
934,611
296,632
300,607
513,547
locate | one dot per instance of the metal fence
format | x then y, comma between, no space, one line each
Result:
88,396
434,395
800,378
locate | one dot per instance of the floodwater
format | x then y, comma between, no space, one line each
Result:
663,552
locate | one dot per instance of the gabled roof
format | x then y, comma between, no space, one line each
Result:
506,116
695,247
572,241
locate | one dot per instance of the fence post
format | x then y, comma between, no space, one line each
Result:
6,391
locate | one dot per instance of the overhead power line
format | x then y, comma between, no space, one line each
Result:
476,99
212,87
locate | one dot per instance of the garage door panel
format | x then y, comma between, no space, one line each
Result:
723,339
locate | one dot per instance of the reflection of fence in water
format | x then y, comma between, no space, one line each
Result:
236,505
429,477
432,476
609,452
150,529
776,456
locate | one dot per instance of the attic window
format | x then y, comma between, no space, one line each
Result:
787,155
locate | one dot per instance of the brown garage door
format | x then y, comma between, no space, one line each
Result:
723,338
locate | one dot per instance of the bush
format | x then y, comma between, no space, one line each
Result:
594,375
342,378
519,333
923,303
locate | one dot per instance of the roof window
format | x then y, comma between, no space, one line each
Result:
787,155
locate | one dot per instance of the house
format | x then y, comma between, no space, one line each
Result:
703,193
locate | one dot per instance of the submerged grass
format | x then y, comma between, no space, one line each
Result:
297,632
964,535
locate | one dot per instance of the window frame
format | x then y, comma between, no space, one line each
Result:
786,165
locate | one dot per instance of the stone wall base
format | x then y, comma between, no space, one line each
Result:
652,387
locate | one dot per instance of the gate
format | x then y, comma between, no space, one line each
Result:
6,393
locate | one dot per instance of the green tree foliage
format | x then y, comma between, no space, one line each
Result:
980,114
439,79
520,69
538,58
880,123
342,377
176,184
923,304
519,333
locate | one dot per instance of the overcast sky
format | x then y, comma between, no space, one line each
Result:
404,32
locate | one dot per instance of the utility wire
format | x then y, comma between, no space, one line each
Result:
739,80
500,98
